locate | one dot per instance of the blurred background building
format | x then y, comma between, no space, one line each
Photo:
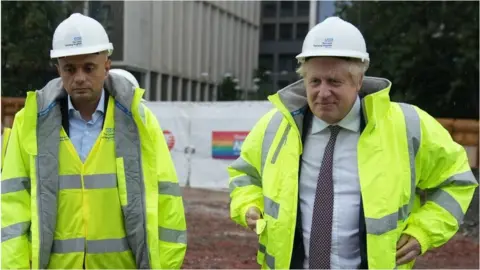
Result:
284,25
245,50
179,50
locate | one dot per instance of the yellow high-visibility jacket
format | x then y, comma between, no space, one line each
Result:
401,151
5,137
121,208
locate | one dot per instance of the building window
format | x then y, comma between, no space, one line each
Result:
286,31
265,61
111,15
286,8
212,92
202,91
164,88
303,8
153,86
282,84
174,88
269,9
184,90
268,31
287,62
193,91
302,30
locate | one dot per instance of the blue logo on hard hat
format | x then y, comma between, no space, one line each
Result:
77,41
326,43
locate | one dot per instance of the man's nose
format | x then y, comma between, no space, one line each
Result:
324,91
79,77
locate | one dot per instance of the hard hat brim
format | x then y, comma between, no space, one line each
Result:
81,51
333,53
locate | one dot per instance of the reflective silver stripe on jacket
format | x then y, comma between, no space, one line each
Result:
90,246
15,230
72,245
15,184
127,143
445,200
253,176
269,259
269,136
413,126
413,135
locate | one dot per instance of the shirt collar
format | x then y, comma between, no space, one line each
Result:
100,106
351,121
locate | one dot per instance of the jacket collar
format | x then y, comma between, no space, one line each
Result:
374,99
42,101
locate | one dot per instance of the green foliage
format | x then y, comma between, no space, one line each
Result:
429,50
27,31
265,85
226,90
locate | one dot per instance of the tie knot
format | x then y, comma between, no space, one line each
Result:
334,130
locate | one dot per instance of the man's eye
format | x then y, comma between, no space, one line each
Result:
335,82
89,69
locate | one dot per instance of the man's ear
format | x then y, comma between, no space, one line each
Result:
108,66
360,83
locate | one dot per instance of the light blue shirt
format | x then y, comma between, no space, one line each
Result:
345,245
83,134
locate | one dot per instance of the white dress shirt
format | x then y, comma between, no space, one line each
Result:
345,252
84,134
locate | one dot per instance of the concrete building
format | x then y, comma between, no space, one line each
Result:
181,50
320,10
284,25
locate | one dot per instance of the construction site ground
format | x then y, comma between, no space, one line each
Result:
216,242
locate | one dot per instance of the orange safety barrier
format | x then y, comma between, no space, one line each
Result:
463,131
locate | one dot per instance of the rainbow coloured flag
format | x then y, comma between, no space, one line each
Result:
227,144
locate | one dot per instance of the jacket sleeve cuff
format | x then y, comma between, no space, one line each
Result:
421,236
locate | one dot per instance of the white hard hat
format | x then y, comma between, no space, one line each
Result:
129,76
334,37
79,34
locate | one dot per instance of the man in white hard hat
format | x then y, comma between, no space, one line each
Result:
331,177
88,181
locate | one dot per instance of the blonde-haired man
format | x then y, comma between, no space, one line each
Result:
335,169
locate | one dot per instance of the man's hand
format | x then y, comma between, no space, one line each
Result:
408,249
252,215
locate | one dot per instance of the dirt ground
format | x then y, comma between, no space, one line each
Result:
215,242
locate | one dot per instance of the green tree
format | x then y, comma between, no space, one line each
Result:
226,90
27,31
264,83
429,50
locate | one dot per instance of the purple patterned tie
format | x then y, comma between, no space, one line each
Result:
321,231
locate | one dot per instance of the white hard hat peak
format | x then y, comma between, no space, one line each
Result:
334,37
79,34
